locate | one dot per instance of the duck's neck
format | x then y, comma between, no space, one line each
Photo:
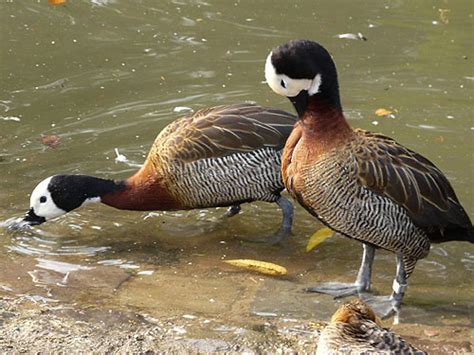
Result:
324,122
143,191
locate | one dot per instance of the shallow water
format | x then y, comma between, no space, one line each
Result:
106,75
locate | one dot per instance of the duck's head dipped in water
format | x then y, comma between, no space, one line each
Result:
60,194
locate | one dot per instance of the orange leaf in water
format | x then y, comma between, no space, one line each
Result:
382,112
56,2
52,141
439,139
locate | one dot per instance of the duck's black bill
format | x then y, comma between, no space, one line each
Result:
33,219
300,102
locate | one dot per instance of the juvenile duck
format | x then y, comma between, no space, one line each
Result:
355,329
221,156
363,185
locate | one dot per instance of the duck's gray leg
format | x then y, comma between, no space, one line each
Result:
400,285
284,231
362,283
385,306
232,211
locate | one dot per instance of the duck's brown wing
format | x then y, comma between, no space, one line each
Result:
384,340
390,169
224,130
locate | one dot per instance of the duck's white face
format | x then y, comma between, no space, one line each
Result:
286,86
42,203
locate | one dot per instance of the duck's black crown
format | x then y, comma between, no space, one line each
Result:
304,59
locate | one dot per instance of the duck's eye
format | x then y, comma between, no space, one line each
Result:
43,199
283,84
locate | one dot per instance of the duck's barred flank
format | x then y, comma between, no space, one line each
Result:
223,156
227,180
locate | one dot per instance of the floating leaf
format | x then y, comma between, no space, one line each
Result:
52,141
317,238
56,2
383,112
262,267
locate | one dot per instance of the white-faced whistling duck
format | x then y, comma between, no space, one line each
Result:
221,156
355,329
363,185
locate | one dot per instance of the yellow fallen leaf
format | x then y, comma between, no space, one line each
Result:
318,237
56,2
382,112
260,266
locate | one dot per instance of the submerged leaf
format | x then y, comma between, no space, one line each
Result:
318,237
443,15
259,266
52,141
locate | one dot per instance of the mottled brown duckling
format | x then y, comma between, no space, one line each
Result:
355,329
363,185
221,156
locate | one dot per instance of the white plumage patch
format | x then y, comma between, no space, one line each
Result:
286,86
48,208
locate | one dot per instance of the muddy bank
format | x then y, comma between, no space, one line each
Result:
29,327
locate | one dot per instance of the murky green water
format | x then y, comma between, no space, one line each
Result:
111,74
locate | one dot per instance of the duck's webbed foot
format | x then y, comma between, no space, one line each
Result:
337,289
382,305
385,306
362,284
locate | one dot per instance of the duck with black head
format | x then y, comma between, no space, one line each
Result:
363,185
219,156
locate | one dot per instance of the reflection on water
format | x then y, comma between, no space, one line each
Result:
37,242
107,76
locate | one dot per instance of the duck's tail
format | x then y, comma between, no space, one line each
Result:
469,235
458,234
452,233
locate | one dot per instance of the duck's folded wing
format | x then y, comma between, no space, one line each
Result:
225,130
392,170
384,340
